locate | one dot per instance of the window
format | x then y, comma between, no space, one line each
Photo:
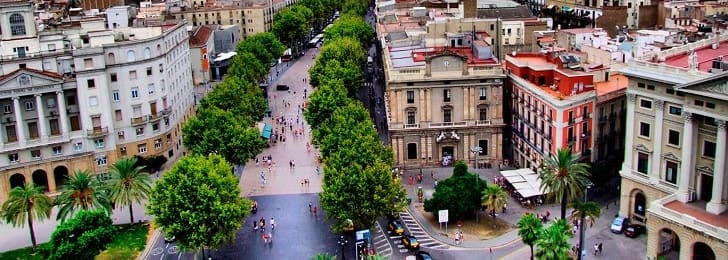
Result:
57,150
447,115
699,103
78,147
483,93
51,102
671,172
641,85
483,114
140,131
710,121
446,95
676,111
113,77
17,25
134,92
88,63
130,56
99,143
642,162
142,148
645,103
158,144
644,129
410,97
115,95
155,127
28,105
35,154
150,88
673,137
122,151
71,100
484,145
670,91
149,71
93,101
132,75
709,149
650,87
7,108
51,47
13,157
101,161
410,117
710,105
118,114
147,53
412,151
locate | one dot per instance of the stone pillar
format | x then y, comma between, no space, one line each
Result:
19,121
42,121
63,111
421,110
688,157
654,173
629,140
716,205
428,104
466,103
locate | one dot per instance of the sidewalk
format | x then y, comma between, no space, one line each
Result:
512,215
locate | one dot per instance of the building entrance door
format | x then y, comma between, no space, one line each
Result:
706,187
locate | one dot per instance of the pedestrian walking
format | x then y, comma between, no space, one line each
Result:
315,209
457,238
272,224
310,205
600,248
596,249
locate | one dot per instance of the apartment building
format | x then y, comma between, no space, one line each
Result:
202,47
556,101
673,175
85,96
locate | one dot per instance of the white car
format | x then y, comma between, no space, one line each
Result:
619,224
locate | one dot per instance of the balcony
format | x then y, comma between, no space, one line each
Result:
572,120
483,122
691,215
155,117
571,139
135,121
410,126
166,112
97,132
448,124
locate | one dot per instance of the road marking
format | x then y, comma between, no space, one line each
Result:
173,250
404,250
157,250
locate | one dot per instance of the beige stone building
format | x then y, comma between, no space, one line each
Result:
674,172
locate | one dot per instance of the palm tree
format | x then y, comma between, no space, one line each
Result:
494,198
27,203
82,191
553,242
128,184
589,211
562,176
528,228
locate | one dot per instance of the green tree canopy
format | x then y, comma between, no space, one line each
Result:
355,7
234,139
292,24
494,198
347,51
26,204
324,101
247,68
553,242
317,9
351,26
589,211
346,123
129,184
243,99
198,202
564,177
349,73
529,227
82,237
82,191
270,43
460,194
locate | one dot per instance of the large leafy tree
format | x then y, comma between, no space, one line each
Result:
356,7
82,191
563,177
129,184
258,50
347,51
347,122
553,242
198,202
241,98
270,43
350,74
236,140
494,198
26,204
82,237
460,194
589,211
247,67
351,26
318,10
324,101
529,227
291,25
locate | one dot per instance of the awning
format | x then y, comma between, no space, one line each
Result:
524,181
265,130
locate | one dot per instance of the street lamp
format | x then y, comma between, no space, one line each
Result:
476,150
582,249
342,244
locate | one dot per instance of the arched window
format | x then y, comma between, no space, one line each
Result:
17,24
130,56
147,53
112,58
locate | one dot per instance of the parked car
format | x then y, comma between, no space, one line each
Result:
410,242
634,230
619,224
395,227
422,255
282,87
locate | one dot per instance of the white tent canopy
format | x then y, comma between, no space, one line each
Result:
525,181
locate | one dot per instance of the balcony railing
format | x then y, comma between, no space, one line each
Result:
482,122
138,120
448,124
659,208
97,131
408,126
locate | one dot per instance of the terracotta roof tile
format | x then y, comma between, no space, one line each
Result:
200,36
35,71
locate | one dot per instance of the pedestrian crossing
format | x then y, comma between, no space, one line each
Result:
381,244
416,230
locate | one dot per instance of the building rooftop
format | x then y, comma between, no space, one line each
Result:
699,213
34,71
615,83
705,56
415,56
200,36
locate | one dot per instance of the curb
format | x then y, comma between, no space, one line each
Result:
148,246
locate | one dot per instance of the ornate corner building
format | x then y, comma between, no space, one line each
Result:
84,96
